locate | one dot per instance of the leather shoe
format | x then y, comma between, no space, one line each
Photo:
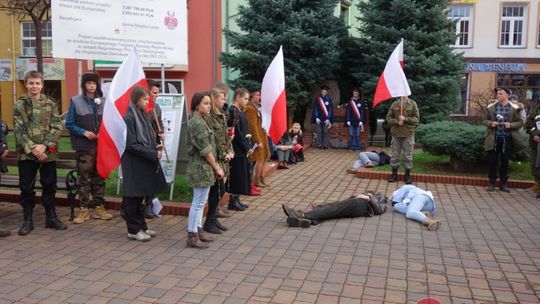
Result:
245,206
4,232
220,226
504,188
222,213
235,206
491,187
26,227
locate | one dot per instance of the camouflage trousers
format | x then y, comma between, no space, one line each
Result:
90,182
399,145
534,170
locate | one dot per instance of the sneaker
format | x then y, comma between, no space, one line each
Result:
140,236
150,233
298,222
82,216
101,213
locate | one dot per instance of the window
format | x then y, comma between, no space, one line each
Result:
538,41
344,11
29,39
525,86
462,16
462,95
513,26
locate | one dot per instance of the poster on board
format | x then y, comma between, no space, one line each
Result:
156,28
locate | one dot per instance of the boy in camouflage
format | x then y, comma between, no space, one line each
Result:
402,117
83,121
37,127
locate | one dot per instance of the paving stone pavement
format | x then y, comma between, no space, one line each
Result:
487,251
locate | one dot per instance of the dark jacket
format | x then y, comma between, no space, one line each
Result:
84,114
318,111
237,120
141,170
350,115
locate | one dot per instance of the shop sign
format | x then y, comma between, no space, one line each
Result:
53,69
6,70
502,67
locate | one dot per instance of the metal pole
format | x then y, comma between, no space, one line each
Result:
214,44
162,78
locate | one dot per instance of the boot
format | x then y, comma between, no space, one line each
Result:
203,237
4,233
393,177
28,224
534,187
245,206
504,187
491,186
211,227
82,216
52,220
220,226
407,178
234,204
431,224
193,241
254,191
101,213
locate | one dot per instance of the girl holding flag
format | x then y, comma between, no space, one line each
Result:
355,119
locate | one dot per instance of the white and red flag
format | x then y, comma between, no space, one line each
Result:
112,133
273,99
392,82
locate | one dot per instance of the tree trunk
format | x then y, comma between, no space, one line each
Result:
39,45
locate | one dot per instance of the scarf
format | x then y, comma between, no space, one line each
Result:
143,130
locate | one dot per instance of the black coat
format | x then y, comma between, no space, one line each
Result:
141,170
238,120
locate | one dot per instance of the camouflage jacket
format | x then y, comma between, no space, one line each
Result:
36,122
218,124
412,117
530,125
200,141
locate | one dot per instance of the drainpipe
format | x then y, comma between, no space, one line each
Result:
14,60
214,44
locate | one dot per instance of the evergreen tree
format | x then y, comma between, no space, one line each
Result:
431,66
309,33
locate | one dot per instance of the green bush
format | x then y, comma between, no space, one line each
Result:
458,139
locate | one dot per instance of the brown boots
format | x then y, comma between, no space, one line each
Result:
198,240
432,224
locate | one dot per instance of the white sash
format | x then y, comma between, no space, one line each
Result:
355,109
323,108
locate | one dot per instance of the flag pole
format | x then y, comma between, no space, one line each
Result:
160,131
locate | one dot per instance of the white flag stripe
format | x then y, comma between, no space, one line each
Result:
396,81
273,85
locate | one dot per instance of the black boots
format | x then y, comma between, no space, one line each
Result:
491,186
393,177
211,226
407,178
4,233
52,220
234,204
294,218
504,187
28,224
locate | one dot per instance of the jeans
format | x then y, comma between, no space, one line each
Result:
354,137
365,157
28,170
322,135
200,195
412,209
499,158
134,214
283,155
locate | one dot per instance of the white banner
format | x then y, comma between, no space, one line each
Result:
109,30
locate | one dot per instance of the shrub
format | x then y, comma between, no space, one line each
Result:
458,139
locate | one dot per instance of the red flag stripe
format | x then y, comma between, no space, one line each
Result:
279,118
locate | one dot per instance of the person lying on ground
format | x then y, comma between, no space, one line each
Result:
417,204
371,159
367,205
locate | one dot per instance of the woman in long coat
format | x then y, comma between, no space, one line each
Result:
141,171
240,179
262,153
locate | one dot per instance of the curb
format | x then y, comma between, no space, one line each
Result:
438,179
113,203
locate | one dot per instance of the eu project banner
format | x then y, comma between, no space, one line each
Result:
109,30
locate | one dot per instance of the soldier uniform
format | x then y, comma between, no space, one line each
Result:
37,122
530,127
402,136
84,115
